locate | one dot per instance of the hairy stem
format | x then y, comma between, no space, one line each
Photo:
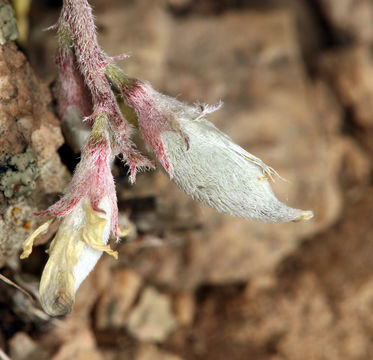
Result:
77,17
92,61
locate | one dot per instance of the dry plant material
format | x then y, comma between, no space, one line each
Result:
12,283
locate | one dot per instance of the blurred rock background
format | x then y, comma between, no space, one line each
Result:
296,77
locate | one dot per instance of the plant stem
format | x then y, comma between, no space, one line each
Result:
77,17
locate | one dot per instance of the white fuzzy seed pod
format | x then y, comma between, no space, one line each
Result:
222,175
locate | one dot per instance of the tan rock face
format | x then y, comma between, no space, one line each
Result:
115,303
350,19
22,347
151,352
350,73
152,320
147,40
310,308
31,173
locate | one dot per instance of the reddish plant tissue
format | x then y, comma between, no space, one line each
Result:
202,160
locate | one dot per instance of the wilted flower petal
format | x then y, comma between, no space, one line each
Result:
29,242
79,243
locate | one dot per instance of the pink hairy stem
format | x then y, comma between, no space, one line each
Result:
93,180
77,16
72,90
153,121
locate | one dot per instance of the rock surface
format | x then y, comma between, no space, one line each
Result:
152,319
150,352
114,305
310,308
350,20
8,24
31,174
349,71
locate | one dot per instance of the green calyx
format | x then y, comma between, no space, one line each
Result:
99,127
64,37
117,78
128,112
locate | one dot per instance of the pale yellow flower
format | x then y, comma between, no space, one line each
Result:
81,239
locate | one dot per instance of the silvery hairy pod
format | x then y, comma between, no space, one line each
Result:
205,162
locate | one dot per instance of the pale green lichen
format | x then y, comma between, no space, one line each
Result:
8,24
18,176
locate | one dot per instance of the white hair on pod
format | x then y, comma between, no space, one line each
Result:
219,173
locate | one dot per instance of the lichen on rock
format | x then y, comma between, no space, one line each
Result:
31,173
8,24
19,175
